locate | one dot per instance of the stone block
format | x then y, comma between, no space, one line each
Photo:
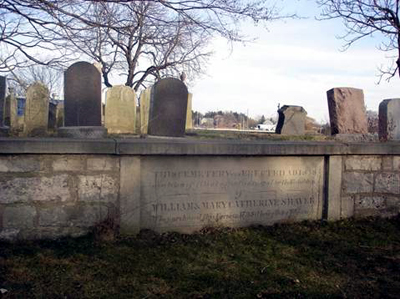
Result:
28,189
130,194
388,162
20,164
97,188
72,215
102,164
19,217
9,234
363,163
389,120
347,207
387,183
335,187
354,182
68,163
347,111
396,163
292,120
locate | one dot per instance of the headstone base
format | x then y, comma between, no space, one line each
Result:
4,131
83,132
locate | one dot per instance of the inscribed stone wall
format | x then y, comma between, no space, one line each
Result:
186,194
372,183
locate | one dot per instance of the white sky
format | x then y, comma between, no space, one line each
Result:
294,62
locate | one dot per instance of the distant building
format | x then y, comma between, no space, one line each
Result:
268,126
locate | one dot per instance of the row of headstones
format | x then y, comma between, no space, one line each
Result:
347,115
165,108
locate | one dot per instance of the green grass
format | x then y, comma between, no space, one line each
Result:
346,259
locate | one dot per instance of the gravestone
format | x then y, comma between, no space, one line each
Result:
144,110
52,115
60,115
168,108
189,119
389,119
120,110
82,95
36,115
292,120
3,86
11,111
347,111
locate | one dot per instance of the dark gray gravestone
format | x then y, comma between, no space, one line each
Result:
2,98
82,95
168,107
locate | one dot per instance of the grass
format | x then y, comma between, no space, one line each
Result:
346,259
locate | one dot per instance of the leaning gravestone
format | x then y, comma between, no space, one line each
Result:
120,110
36,115
168,107
2,98
389,120
347,111
292,120
82,102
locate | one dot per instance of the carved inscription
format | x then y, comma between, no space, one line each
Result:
234,192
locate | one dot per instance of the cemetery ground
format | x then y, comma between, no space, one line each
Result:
345,259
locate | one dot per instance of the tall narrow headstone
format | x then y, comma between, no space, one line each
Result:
144,110
292,120
60,115
389,120
11,111
82,95
168,108
36,114
3,86
347,111
189,118
120,112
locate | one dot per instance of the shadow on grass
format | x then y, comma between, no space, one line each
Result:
346,259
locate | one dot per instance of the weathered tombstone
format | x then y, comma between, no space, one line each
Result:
168,107
60,115
82,95
36,114
11,111
144,110
347,111
292,120
52,115
189,119
3,87
120,110
389,119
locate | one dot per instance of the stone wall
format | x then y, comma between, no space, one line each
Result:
372,183
60,187
45,196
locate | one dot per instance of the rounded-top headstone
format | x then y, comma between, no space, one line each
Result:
168,107
36,114
82,95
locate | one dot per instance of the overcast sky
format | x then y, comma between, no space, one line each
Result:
294,62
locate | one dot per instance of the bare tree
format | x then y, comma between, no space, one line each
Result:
139,39
365,18
21,78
